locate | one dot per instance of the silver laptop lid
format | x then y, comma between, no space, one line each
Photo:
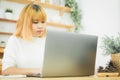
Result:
69,54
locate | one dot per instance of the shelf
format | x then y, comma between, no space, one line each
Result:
62,9
69,27
8,20
1,50
6,33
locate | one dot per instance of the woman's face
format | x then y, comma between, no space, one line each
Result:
38,28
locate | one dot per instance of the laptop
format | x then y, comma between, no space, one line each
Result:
69,54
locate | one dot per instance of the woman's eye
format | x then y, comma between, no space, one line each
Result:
35,22
42,21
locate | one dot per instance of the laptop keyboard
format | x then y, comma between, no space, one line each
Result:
34,75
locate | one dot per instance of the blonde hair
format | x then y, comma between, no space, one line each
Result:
32,11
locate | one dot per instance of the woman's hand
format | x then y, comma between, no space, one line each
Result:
21,71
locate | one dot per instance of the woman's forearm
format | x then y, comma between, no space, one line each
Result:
20,71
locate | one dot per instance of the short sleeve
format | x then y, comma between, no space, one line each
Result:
9,58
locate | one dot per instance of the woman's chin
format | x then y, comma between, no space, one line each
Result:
39,33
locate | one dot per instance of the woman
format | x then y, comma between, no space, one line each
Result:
25,49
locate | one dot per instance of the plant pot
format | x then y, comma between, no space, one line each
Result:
8,15
116,60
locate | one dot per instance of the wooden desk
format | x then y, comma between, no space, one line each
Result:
65,78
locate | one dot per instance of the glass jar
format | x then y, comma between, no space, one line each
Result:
2,43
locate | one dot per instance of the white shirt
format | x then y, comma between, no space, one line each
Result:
23,54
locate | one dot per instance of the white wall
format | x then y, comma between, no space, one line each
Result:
100,17
8,26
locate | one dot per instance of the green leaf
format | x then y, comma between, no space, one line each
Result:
111,44
75,13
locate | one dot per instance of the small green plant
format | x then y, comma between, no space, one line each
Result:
75,13
9,10
111,44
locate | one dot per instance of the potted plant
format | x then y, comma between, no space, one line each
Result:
111,46
8,13
109,70
75,13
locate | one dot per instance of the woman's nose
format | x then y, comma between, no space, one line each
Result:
40,27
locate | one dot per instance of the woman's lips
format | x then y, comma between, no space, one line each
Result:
39,31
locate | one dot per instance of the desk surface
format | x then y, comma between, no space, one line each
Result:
65,78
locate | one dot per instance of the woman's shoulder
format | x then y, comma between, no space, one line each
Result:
13,38
12,41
